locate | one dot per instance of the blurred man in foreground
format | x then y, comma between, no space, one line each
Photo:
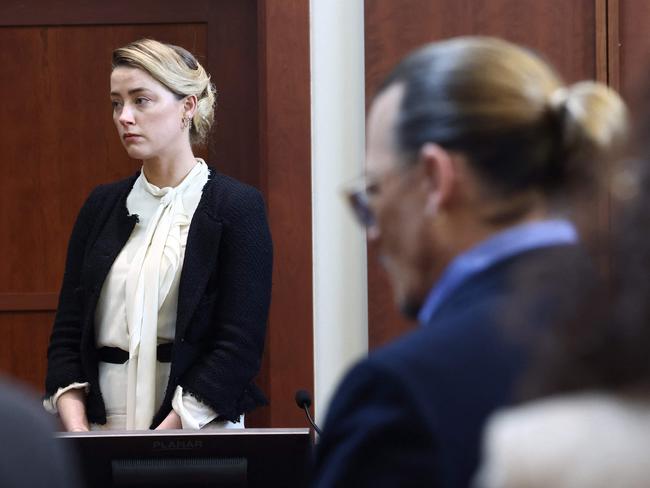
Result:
473,145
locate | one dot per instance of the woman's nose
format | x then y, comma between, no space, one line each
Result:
126,116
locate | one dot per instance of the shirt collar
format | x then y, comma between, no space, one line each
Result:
199,168
504,244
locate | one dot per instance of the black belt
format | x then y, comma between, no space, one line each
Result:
115,355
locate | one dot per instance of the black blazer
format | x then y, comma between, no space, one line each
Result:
412,413
223,299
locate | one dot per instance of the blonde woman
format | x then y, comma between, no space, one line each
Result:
163,308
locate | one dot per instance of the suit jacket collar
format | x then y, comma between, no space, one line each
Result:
491,251
528,280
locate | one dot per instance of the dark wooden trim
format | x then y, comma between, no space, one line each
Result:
262,416
100,12
613,80
233,47
600,7
608,42
21,302
613,45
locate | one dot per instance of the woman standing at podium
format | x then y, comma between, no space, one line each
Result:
163,308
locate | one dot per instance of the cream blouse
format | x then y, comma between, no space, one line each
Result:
137,307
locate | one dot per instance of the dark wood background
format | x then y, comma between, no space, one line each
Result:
606,40
630,47
58,142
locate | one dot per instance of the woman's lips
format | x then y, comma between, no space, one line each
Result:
131,137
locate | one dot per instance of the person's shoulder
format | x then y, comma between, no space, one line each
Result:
371,396
436,343
111,189
538,440
18,403
29,435
467,345
373,378
231,197
231,186
370,415
406,345
392,371
590,412
501,310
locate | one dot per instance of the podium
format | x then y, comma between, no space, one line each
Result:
207,458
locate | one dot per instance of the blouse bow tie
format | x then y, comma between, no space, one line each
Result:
148,283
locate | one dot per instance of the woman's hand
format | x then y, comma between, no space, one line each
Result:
72,411
172,421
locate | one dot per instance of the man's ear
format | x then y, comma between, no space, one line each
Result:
439,173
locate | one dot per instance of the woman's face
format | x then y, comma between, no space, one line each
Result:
147,115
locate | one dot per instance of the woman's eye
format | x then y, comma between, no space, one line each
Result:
115,104
141,100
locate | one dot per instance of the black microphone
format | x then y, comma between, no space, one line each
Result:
303,400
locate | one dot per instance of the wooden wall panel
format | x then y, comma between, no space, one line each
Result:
285,130
633,48
23,349
58,142
563,31
233,63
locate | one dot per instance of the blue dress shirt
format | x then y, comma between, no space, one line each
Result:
505,244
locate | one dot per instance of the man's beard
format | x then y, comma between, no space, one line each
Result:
410,309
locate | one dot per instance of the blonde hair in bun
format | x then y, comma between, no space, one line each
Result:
179,71
594,117
507,110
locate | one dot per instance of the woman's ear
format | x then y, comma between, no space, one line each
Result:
189,105
440,174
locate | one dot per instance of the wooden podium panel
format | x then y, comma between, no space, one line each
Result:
221,457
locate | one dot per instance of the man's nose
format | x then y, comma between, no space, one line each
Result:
372,232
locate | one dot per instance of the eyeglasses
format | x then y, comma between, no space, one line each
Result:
359,194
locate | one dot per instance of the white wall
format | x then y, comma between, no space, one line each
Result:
339,245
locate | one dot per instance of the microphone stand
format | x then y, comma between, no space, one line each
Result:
303,400
311,421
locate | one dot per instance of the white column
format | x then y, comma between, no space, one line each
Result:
339,244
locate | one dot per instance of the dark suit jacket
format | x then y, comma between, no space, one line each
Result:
411,414
223,299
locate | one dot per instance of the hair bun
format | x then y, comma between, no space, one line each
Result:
558,98
596,117
592,122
